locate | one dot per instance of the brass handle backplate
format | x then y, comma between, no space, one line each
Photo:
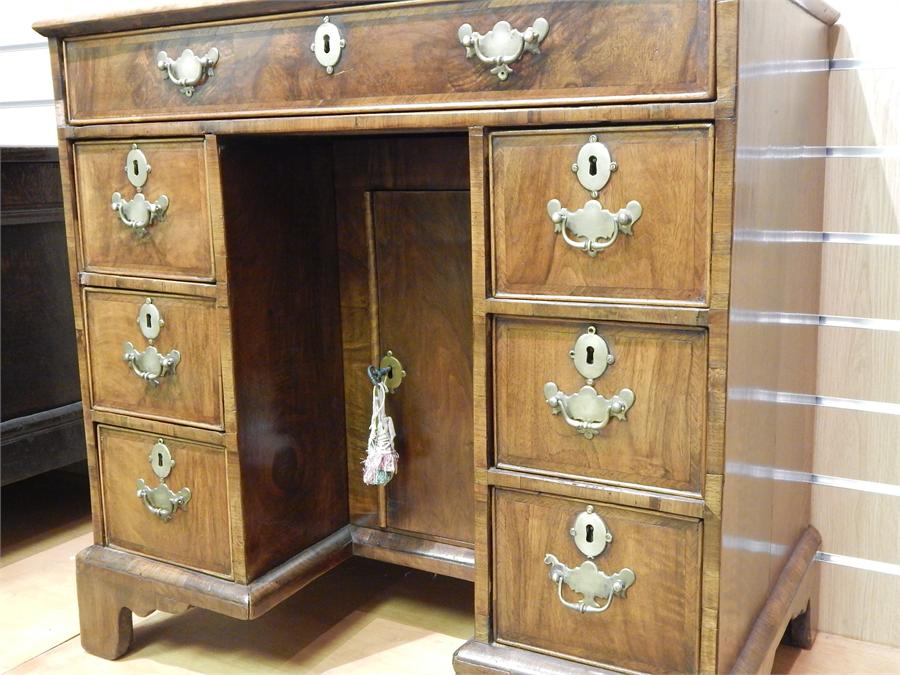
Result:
150,365
502,45
139,213
593,228
590,582
587,411
160,500
591,536
188,71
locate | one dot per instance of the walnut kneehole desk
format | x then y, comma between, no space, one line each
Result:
551,214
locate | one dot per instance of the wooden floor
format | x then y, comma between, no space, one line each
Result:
364,617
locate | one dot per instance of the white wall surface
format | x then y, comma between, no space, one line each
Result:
27,114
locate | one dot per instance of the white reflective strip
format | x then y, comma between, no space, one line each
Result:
789,398
812,237
790,476
863,151
814,66
862,64
24,47
818,151
754,545
799,319
858,563
784,67
27,104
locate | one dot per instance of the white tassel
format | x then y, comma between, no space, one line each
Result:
380,463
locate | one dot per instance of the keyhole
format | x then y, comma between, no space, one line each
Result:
593,168
327,43
589,534
159,461
149,320
590,358
135,166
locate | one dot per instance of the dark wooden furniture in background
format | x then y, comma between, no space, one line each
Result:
42,426
409,198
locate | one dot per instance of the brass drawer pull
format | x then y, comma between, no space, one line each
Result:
139,213
587,411
591,535
503,44
161,501
188,71
590,583
150,365
594,227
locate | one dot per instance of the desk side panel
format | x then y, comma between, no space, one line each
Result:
782,97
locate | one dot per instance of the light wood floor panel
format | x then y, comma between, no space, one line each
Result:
857,446
836,654
858,524
861,281
858,363
862,107
866,197
37,601
861,605
862,195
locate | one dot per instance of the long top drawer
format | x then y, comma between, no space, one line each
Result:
400,56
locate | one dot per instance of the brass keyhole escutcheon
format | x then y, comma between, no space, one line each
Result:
590,533
161,460
327,45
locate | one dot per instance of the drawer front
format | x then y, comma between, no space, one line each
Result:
177,244
653,627
189,391
662,257
410,57
138,503
659,442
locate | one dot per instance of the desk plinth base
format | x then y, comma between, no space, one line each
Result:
113,585
788,616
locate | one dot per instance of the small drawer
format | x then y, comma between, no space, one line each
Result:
176,241
173,376
578,235
165,498
653,625
412,57
657,440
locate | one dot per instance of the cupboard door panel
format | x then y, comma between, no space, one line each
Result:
422,258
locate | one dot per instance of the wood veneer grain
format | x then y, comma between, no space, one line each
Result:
666,260
384,166
178,246
197,536
190,395
286,344
661,442
382,64
654,628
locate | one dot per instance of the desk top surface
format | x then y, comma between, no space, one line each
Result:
179,12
